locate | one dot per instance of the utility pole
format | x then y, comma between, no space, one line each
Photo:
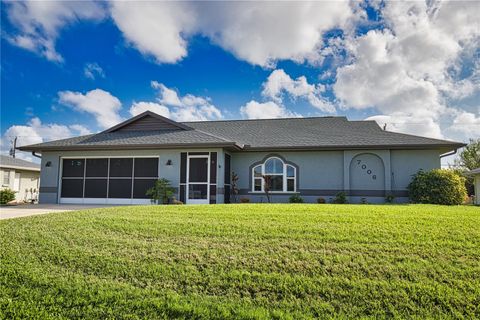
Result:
12,151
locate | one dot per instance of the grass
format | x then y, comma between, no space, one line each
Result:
243,262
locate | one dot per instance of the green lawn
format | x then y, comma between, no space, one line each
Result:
243,261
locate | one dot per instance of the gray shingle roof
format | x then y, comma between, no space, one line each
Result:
334,132
266,134
9,162
133,139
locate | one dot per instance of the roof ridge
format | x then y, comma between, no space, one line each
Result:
267,119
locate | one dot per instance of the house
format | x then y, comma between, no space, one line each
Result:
476,183
314,157
20,176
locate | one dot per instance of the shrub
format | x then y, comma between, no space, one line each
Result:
340,197
321,200
437,187
363,201
389,198
161,192
295,198
6,195
244,200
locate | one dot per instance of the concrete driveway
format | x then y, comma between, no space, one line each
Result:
25,210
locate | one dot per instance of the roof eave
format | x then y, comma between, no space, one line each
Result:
232,145
19,168
358,147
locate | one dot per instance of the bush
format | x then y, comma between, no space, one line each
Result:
321,200
437,187
340,198
295,199
363,201
6,195
244,200
161,192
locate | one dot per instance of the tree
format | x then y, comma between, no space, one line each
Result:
469,159
161,192
470,156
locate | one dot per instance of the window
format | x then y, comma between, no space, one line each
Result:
282,176
6,177
73,171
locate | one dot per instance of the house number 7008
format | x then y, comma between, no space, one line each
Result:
374,177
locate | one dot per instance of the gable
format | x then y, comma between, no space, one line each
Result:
148,121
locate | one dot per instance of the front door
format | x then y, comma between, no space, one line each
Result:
198,178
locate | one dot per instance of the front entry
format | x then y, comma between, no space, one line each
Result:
198,179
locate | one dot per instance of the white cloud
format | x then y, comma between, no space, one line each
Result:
180,108
36,132
405,123
155,28
267,110
264,32
280,84
167,96
467,123
140,107
101,104
405,71
258,32
80,130
39,22
93,70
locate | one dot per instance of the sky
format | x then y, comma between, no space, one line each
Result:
72,68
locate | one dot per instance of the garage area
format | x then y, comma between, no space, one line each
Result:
112,180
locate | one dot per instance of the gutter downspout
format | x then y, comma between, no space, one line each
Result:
36,155
451,153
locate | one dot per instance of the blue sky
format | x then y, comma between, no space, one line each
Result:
70,68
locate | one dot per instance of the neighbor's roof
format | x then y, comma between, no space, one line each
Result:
15,163
149,131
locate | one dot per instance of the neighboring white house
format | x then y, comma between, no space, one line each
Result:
21,176
476,182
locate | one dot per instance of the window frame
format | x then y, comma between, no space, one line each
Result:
6,176
284,175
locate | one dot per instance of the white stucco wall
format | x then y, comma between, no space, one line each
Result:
29,180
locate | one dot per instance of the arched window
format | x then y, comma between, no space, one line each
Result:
282,176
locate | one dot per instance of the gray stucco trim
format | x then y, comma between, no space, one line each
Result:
48,189
274,155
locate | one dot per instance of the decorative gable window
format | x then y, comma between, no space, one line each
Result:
282,176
